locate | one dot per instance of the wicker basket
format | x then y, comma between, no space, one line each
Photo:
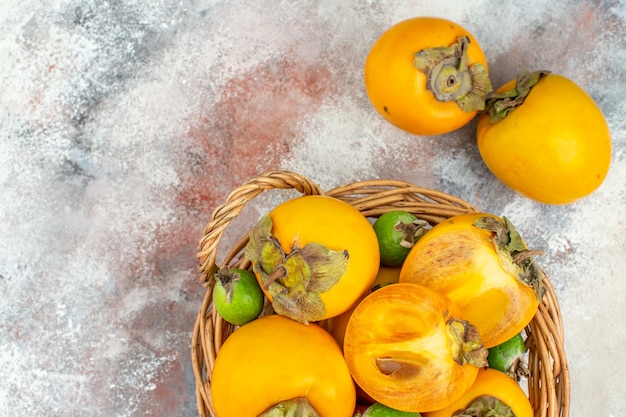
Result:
548,382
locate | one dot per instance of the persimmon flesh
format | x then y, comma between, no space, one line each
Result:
408,348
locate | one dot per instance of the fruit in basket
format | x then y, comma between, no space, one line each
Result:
397,231
427,76
492,394
409,348
274,365
381,410
508,357
237,296
313,256
544,136
482,264
337,325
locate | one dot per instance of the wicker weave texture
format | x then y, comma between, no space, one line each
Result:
548,383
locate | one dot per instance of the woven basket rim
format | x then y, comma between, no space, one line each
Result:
549,379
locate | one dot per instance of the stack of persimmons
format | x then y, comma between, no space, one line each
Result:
388,316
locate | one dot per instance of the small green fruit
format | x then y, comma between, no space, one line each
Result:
508,357
380,410
237,296
397,231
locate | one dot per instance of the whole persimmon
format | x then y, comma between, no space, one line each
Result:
427,76
313,257
543,136
274,363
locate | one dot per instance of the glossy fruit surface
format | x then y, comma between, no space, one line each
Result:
553,147
481,263
497,395
400,88
237,296
407,348
274,359
314,256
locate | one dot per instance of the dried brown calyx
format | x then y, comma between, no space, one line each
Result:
450,78
466,344
513,252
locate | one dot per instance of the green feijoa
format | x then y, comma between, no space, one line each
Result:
381,410
508,357
397,231
237,296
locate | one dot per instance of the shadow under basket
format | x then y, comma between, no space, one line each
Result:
548,380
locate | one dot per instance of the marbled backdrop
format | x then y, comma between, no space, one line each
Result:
124,123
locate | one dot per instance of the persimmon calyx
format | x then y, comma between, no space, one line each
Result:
297,407
466,344
486,406
411,232
294,280
450,78
498,106
515,256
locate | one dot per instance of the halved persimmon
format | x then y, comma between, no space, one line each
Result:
408,348
483,265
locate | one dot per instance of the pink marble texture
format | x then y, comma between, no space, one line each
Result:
123,124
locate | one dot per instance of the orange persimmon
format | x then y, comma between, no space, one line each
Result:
482,264
408,348
494,394
274,360
313,257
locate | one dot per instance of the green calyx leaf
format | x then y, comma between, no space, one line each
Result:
297,407
450,78
466,344
486,406
500,105
513,252
294,279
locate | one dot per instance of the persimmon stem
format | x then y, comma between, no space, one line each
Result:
278,273
499,105
520,256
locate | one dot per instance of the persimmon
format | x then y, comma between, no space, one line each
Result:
493,393
482,264
543,136
313,257
337,325
276,362
397,231
427,75
409,348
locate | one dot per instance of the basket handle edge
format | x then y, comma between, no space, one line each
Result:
223,214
